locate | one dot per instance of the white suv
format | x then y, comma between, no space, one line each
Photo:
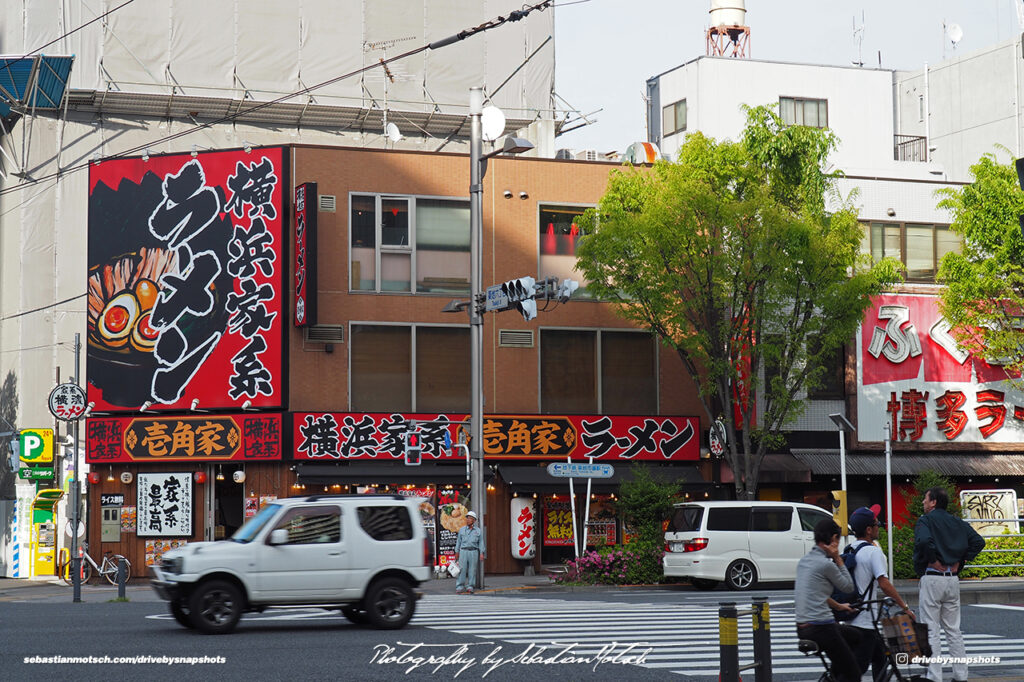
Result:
361,554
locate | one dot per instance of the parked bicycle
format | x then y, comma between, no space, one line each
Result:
107,568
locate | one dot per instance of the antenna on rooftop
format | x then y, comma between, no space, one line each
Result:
858,38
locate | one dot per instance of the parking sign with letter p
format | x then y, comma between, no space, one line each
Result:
37,446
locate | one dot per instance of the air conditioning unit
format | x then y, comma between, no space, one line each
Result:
564,154
588,155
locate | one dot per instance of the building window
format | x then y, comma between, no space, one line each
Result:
833,384
920,247
673,118
598,372
559,234
403,368
796,111
409,244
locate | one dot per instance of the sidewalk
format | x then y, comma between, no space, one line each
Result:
988,591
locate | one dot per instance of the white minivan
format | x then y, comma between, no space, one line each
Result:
738,542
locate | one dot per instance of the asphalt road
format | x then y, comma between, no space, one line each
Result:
310,644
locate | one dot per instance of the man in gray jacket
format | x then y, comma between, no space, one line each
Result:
943,543
818,574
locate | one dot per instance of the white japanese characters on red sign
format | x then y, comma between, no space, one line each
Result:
67,402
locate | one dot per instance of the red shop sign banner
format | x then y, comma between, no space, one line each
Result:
332,435
186,266
913,376
306,211
212,438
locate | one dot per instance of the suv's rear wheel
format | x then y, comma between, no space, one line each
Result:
390,603
355,614
741,575
181,613
215,607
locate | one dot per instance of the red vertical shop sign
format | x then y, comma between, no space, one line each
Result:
306,208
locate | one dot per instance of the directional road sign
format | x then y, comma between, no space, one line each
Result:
580,470
496,298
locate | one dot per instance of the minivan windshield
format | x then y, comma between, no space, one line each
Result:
685,519
253,526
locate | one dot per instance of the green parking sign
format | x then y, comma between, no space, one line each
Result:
37,446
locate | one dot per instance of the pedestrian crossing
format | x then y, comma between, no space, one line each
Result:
679,637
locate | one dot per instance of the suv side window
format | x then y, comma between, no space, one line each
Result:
386,523
810,517
312,525
729,518
772,519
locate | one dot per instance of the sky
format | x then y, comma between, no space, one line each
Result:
605,50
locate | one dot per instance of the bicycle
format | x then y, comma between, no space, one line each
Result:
107,568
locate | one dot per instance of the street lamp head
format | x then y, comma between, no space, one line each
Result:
455,306
515,145
842,422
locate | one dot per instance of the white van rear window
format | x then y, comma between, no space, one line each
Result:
729,518
685,519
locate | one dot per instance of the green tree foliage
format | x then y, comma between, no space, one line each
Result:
644,503
984,295
730,257
926,479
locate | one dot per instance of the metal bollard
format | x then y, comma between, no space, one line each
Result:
762,640
728,643
121,577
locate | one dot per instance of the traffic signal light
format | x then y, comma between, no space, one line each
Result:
413,448
565,290
520,293
839,511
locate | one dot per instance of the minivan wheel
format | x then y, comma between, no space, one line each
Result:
703,583
741,575
390,604
215,607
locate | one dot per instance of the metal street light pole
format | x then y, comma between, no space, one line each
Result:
844,425
476,322
76,560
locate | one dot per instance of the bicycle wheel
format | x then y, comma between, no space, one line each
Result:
110,568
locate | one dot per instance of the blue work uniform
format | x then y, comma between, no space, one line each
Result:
467,544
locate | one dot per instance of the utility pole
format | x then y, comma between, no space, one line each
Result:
476,321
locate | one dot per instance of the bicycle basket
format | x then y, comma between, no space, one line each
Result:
906,636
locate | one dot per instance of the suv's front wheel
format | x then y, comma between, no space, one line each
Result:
390,603
181,614
215,607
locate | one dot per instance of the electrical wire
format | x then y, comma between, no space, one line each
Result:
437,44
76,30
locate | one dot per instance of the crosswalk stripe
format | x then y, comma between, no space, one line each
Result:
681,637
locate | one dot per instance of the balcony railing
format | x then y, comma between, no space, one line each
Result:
909,148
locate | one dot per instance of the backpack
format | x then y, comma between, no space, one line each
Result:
849,556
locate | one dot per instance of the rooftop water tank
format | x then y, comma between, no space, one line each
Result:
728,13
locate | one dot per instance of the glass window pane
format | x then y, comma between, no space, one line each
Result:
877,242
363,228
395,272
568,373
729,518
786,110
394,222
920,252
559,235
893,244
628,377
823,113
946,241
442,246
772,520
810,107
681,115
381,371
442,372
668,120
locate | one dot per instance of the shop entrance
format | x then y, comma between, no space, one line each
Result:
227,503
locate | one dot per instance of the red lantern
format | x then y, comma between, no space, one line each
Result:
94,477
200,477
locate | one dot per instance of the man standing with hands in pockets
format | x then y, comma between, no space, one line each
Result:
468,548
943,543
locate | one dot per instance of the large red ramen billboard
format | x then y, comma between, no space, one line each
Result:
186,281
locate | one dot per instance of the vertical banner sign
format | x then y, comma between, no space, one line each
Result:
306,210
524,525
186,281
165,505
557,522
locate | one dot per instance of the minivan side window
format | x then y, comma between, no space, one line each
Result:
685,519
729,518
810,517
772,519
